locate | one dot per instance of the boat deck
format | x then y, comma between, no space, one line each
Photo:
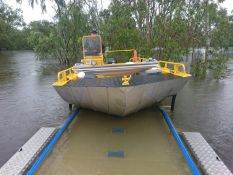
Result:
146,145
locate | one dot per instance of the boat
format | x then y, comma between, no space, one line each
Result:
121,88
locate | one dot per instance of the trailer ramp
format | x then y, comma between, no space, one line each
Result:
97,143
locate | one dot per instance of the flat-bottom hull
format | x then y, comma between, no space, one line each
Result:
122,100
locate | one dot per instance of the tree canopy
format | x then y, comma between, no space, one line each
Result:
10,36
166,29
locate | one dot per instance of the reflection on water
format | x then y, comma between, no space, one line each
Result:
28,102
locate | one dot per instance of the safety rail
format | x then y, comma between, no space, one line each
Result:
115,51
173,68
65,75
166,67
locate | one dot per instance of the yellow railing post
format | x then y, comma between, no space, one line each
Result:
65,76
177,68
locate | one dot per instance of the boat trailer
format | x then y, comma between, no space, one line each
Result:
121,148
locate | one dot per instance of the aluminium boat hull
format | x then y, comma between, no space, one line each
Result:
108,95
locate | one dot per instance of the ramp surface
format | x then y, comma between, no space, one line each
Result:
146,142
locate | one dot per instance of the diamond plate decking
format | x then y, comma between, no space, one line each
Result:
20,161
208,160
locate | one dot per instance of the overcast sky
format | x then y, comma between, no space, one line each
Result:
30,14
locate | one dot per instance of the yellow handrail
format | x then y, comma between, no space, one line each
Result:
114,51
65,76
177,69
173,68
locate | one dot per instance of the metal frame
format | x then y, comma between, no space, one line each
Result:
47,150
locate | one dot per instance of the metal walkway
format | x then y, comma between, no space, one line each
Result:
206,157
22,159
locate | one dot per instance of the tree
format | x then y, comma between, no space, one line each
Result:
119,27
61,40
42,39
169,27
10,36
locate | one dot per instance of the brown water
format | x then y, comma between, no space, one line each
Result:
28,102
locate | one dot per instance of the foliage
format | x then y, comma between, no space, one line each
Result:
42,44
10,36
72,25
198,67
172,28
221,34
118,26
219,66
60,40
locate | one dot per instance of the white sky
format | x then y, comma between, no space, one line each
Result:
32,14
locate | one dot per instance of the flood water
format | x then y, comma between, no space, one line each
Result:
28,102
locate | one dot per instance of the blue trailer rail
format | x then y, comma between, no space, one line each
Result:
50,146
188,158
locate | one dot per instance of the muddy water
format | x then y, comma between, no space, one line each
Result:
28,101
206,107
